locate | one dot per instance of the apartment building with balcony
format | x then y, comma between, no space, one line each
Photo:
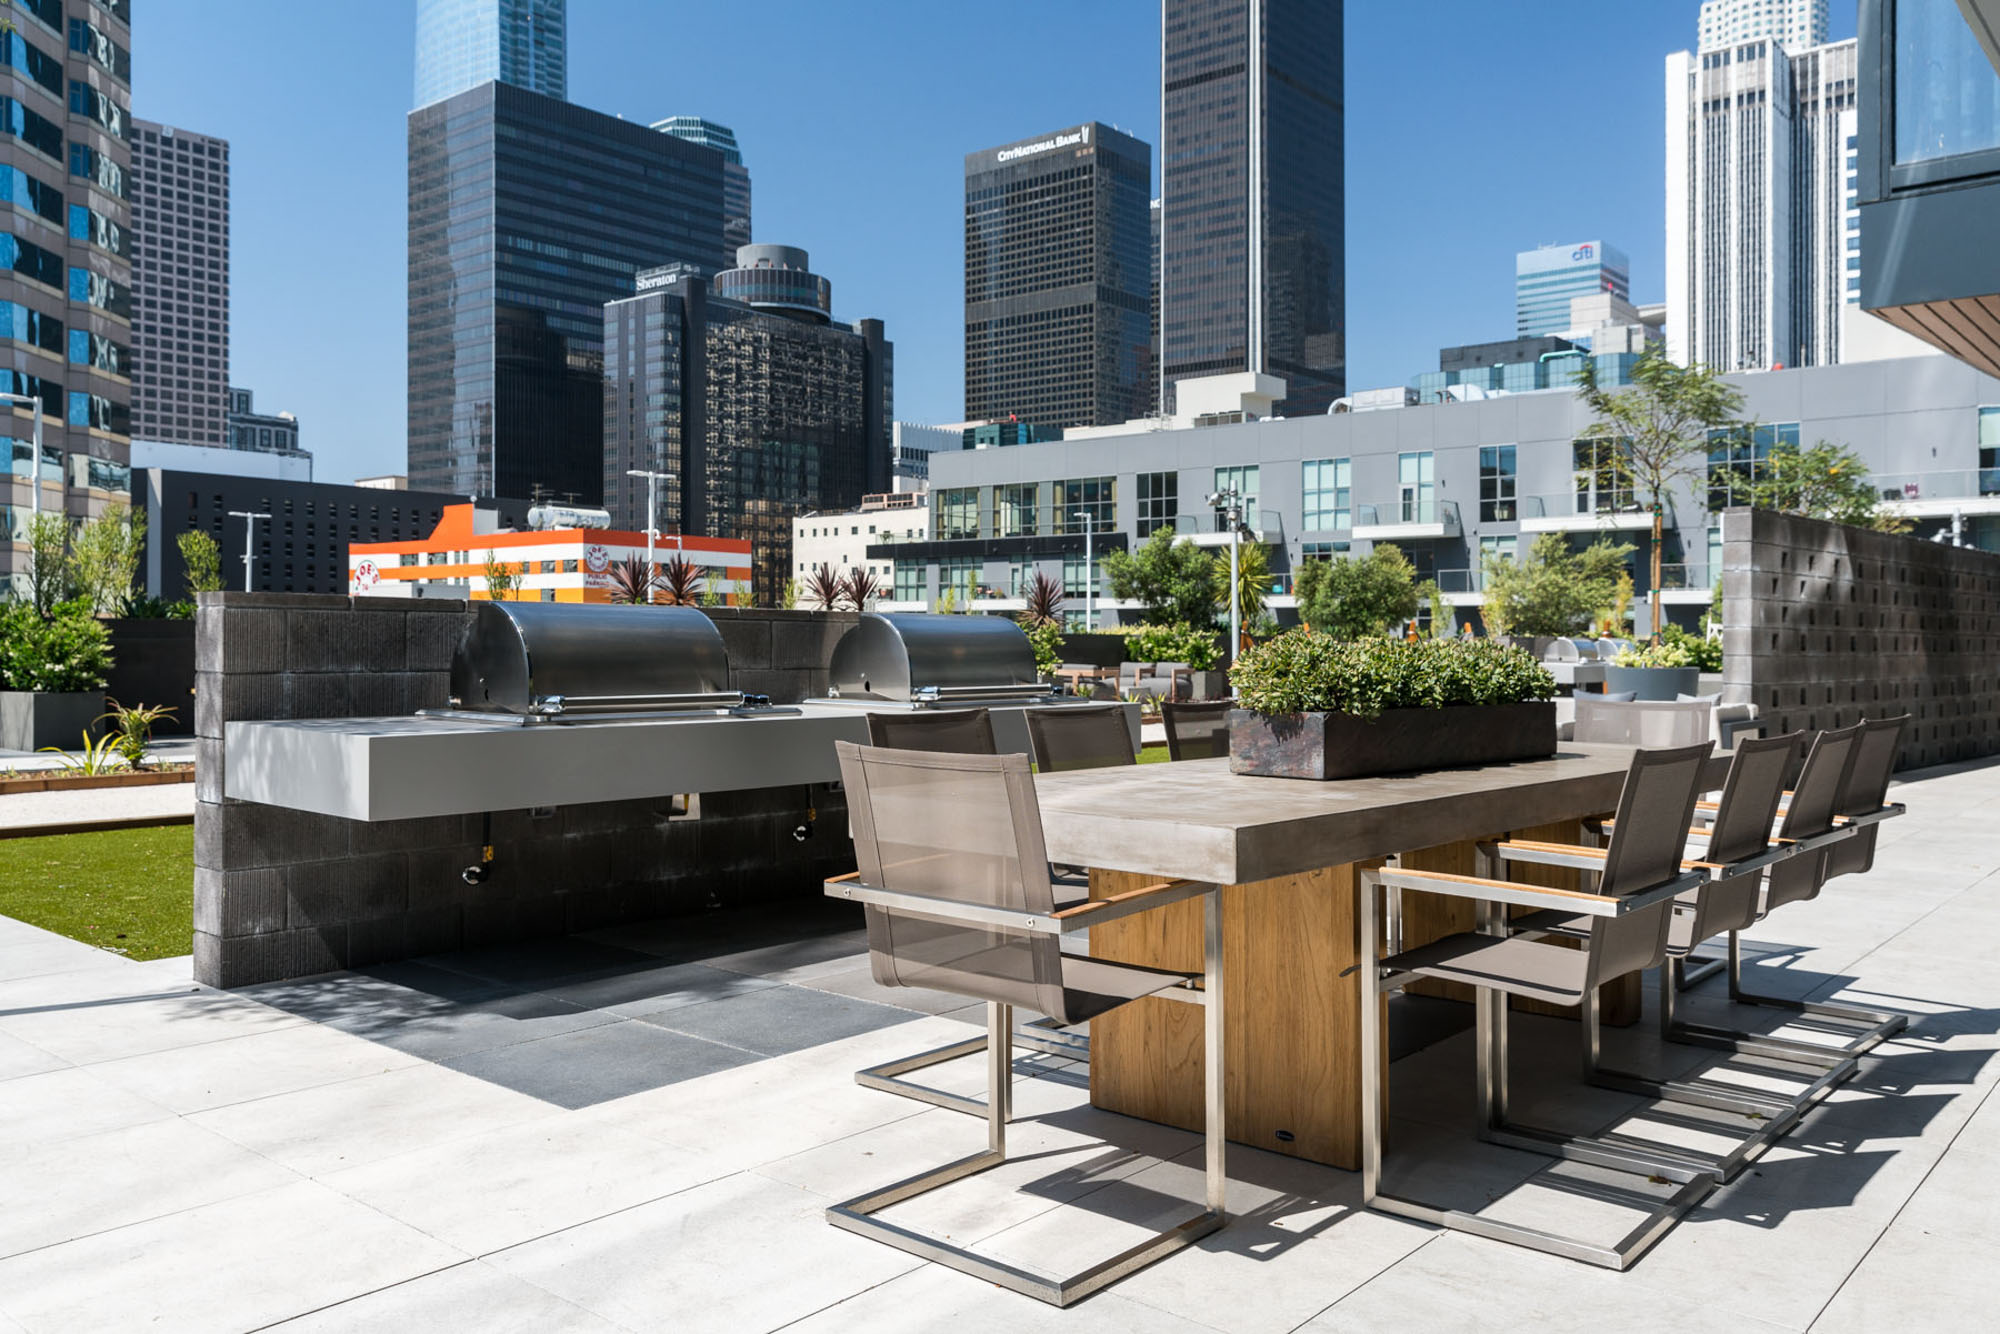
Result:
1447,483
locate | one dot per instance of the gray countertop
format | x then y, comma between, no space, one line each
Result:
1195,820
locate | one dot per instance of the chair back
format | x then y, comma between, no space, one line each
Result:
947,731
1815,801
1197,731
1128,675
1073,737
1867,788
1742,829
1643,722
1647,841
959,827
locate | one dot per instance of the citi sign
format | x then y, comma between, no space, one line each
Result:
1584,252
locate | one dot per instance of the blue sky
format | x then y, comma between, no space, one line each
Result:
1475,128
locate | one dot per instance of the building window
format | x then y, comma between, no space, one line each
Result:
958,578
1496,484
1329,495
1159,501
1243,481
1014,508
1323,550
1416,487
958,512
1493,548
1603,484
1989,451
1077,578
910,581
1736,458
1946,97
1094,496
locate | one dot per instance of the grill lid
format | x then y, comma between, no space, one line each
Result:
548,658
908,656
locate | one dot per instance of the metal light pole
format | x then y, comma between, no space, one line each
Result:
1231,504
34,469
653,480
249,518
1089,574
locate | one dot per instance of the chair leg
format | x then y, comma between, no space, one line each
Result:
1705,968
1877,1026
1040,1035
1490,1042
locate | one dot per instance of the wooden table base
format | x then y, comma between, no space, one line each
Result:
1292,1022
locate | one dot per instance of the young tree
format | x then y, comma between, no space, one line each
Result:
104,559
1352,598
1555,591
1825,482
1175,582
1662,423
202,559
502,582
51,581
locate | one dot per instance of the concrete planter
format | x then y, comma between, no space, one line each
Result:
1653,683
30,719
1341,745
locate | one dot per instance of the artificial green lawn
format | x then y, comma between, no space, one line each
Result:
1153,755
127,890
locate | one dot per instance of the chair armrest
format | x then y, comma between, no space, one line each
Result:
1532,896
1570,855
1124,904
1078,918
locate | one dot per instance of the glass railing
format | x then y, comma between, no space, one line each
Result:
1408,511
1953,484
1460,581
1269,523
1587,504
1685,576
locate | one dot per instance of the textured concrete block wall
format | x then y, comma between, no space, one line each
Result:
1824,625
283,893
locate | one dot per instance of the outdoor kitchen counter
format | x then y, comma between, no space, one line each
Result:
1289,851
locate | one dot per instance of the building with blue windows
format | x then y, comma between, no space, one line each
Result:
1548,278
463,43
65,262
527,215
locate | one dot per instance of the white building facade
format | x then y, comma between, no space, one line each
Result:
841,541
1760,204
1793,24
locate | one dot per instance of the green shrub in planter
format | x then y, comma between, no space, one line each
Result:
1172,643
1306,672
68,652
1703,652
1656,655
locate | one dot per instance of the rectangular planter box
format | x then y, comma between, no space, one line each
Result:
1653,683
1341,745
30,720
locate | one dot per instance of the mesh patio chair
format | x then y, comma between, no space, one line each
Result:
1734,856
1197,731
1079,738
1643,722
951,857
1639,877
957,731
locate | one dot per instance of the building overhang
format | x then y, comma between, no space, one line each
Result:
1266,537
1406,532
1941,507
1587,523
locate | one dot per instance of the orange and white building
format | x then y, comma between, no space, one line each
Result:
552,565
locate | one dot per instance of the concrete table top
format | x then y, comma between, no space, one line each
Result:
1195,820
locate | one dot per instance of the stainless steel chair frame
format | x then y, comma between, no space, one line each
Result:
1490,1042
858,1214
1877,1026
1775,1113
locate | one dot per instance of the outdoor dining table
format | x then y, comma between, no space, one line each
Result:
1288,851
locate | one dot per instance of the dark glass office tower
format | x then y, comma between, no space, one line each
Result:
526,215
1057,256
65,264
1251,107
761,414
735,176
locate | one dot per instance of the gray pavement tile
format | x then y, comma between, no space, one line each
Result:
69,1102
654,986
731,931
597,1064
781,1019
436,1022
473,1296
537,961
18,1059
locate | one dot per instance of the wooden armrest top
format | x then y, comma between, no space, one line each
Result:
1534,845
843,879
1098,905
1514,885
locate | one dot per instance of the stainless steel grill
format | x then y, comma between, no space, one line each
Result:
916,660
550,662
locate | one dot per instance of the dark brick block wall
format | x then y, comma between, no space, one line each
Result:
283,893
1824,625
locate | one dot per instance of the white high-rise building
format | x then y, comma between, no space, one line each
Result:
1760,141
1792,24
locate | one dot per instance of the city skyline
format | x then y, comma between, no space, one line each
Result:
876,192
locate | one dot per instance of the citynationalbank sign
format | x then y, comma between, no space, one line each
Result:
1081,136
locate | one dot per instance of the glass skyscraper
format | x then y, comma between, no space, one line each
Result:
1251,110
735,176
463,43
1546,278
66,246
527,215
1058,246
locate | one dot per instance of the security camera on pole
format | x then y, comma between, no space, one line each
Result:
1230,504
653,480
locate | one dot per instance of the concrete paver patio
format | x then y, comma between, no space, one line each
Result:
640,1130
